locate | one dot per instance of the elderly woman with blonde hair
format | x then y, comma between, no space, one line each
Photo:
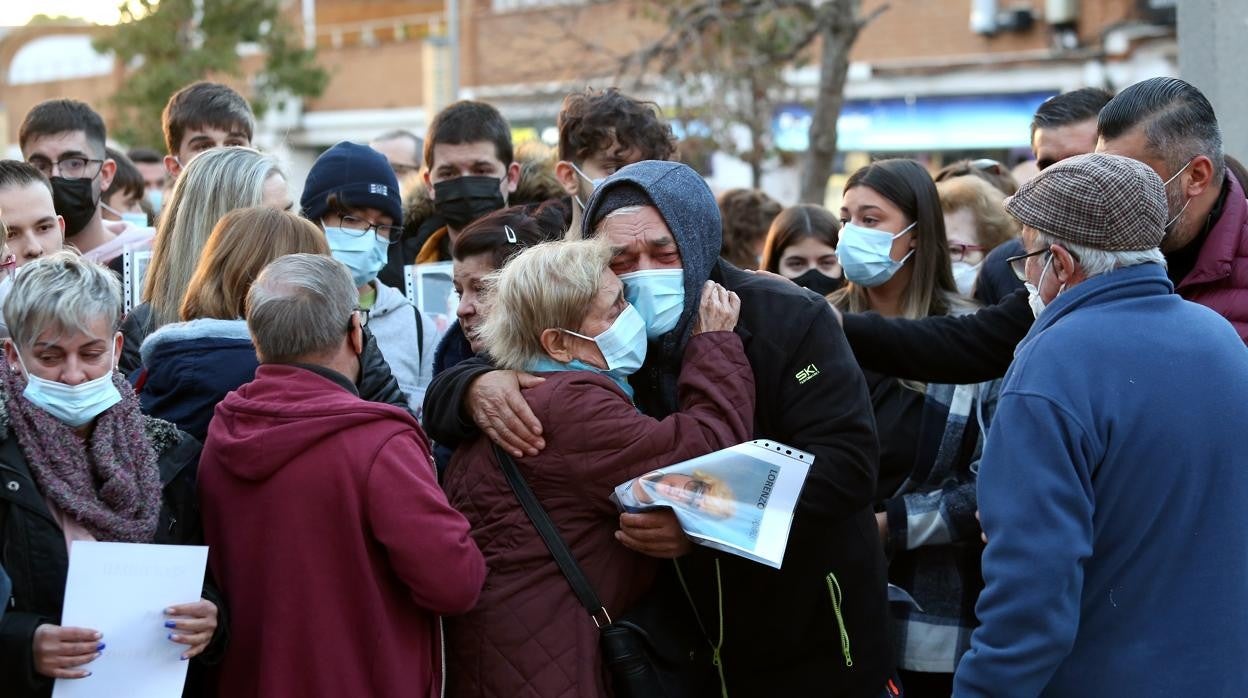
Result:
79,462
558,310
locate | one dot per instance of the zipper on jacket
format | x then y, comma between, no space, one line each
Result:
715,647
442,645
834,591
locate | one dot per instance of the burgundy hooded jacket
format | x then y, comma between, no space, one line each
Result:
335,547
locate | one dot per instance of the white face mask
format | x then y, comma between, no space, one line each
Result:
1164,185
74,405
1033,293
593,184
964,275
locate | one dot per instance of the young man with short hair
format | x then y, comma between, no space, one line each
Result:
64,139
32,228
202,116
1065,125
470,170
601,131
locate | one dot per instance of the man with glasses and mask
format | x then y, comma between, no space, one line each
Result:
64,139
352,194
1113,478
470,170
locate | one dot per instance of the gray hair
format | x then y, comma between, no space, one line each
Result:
213,184
1096,262
549,286
63,292
1177,119
624,211
299,307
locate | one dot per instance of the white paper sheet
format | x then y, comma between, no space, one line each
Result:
122,591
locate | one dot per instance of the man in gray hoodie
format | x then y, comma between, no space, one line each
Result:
818,625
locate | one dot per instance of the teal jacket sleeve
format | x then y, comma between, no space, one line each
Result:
1036,505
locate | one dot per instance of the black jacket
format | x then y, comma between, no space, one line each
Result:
377,383
810,395
37,561
943,348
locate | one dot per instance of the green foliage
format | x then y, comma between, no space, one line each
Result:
165,48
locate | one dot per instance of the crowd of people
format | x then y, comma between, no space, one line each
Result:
1023,400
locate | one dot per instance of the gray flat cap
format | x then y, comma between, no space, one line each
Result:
1106,202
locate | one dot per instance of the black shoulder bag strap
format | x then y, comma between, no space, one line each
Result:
554,542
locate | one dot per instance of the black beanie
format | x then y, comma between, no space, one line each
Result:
359,175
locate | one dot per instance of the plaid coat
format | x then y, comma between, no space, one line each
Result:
934,544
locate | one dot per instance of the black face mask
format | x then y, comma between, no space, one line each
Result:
463,200
75,202
819,282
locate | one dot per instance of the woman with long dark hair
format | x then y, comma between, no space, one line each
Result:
895,254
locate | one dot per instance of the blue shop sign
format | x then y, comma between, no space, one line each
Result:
918,124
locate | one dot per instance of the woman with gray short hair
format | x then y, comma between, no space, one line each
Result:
558,311
79,462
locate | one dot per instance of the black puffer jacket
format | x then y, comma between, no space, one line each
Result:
377,383
36,559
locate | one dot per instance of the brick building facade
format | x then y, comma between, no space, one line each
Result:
390,65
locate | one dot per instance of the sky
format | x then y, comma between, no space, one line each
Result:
14,13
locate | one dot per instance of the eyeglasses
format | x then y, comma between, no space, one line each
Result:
73,167
1019,263
958,251
362,313
388,234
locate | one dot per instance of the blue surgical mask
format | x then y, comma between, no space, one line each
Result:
138,220
865,256
658,295
363,253
623,344
75,405
155,197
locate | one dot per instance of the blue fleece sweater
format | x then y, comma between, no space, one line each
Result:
1112,491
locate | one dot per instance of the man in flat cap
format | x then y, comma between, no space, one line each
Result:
1114,477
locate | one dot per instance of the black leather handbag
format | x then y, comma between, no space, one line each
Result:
656,650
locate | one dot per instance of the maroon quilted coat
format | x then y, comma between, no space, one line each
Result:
528,636
1220,278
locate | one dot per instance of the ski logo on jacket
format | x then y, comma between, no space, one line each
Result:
806,374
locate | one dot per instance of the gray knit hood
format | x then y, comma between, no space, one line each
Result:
689,209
